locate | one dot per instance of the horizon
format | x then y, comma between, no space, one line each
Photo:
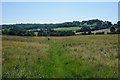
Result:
49,22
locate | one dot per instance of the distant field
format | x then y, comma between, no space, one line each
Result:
66,29
84,56
103,30
33,29
61,29
96,31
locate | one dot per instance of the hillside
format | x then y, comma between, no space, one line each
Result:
95,23
97,31
61,29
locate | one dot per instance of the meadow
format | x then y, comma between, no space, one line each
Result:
67,29
83,56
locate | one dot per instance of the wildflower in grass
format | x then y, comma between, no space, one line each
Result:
6,73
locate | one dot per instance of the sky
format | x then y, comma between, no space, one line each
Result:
58,12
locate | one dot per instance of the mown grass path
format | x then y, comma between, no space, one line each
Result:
57,65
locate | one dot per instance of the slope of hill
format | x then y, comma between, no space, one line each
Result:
95,24
96,31
60,29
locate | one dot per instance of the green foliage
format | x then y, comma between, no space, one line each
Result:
55,33
97,24
61,29
112,29
100,33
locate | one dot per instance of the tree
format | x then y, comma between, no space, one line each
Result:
112,29
89,32
12,31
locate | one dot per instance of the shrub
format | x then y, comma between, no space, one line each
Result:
99,32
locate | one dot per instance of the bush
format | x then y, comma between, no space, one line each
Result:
111,32
100,33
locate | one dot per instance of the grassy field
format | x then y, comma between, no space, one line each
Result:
66,29
84,56
103,30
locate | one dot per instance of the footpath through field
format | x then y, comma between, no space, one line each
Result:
56,60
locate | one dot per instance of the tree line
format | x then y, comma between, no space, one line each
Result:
47,29
41,32
95,24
